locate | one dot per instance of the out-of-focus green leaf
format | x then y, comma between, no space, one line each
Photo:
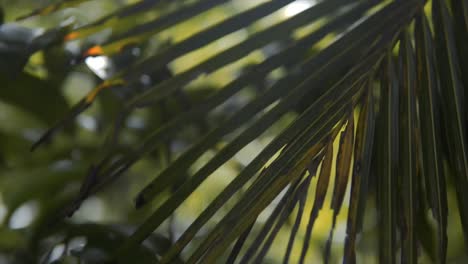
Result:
113,19
15,43
102,239
41,98
212,64
18,43
146,30
52,8
262,192
19,186
387,180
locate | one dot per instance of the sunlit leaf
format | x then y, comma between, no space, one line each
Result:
343,166
44,100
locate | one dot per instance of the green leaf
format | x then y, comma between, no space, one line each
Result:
319,84
44,99
258,40
113,19
286,57
105,238
296,148
160,24
62,123
18,43
11,240
360,175
343,166
389,165
20,186
160,60
407,170
460,15
453,104
46,10
320,64
302,200
272,219
320,193
430,130
239,244
358,73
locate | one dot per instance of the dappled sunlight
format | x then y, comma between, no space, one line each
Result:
297,7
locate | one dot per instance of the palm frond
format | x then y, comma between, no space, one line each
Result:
405,81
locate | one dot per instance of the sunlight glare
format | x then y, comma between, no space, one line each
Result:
24,215
297,7
99,65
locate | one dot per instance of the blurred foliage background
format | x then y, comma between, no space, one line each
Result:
42,83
